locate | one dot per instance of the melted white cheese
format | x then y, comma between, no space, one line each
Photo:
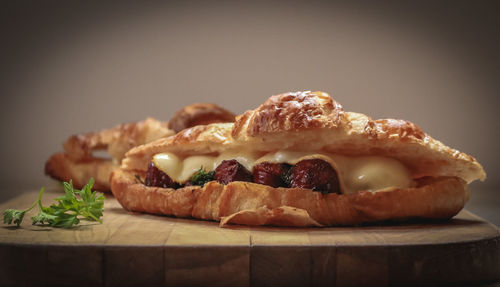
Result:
372,173
192,164
169,163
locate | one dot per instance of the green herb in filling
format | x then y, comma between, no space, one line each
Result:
201,177
286,177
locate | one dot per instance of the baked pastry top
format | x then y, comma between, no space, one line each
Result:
79,163
313,121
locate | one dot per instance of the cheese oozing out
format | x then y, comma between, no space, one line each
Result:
371,173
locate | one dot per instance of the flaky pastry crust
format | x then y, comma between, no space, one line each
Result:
305,121
256,204
199,114
63,168
117,140
79,163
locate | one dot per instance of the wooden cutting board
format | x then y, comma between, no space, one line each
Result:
146,250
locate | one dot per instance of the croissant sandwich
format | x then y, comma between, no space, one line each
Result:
297,160
78,162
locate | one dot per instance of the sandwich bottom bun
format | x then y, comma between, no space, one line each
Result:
255,204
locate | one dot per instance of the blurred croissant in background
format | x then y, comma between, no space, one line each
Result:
79,163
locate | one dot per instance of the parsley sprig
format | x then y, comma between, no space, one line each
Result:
70,208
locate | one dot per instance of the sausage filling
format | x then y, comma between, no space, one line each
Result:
315,174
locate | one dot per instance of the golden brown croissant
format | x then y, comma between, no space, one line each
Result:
199,114
61,167
79,164
298,160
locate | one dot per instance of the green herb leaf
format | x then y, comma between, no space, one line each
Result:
17,216
43,217
10,215
65,220
287,177
69,209
201,177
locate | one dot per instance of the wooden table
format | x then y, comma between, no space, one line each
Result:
139,249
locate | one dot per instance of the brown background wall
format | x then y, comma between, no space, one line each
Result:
74,67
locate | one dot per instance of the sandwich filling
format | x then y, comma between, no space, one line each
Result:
324,172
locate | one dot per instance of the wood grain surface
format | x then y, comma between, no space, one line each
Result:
132,249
